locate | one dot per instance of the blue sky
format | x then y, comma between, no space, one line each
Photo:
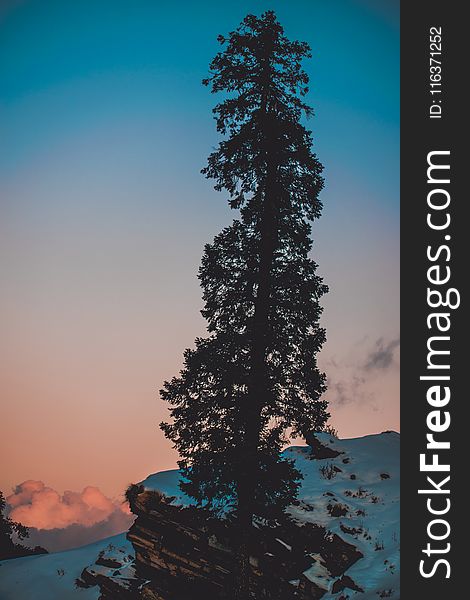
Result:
104,127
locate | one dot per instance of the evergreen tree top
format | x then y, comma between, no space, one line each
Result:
260,71
258,56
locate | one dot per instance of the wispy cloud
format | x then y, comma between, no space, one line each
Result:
348,390
382,355
348,380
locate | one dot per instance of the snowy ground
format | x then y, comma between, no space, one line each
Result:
372,501
355,495
366,487
52,576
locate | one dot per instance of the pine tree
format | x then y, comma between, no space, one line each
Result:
254,380
10,529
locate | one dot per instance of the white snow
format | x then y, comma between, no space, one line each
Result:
371,523
318,574
52,576
167,484
376,533
284,544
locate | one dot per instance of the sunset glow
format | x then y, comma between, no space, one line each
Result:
104,214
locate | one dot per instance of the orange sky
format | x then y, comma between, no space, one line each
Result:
104,214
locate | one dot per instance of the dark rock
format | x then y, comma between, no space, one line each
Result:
108,562
319,450
350,530
345,582
185,554
338,510
339,556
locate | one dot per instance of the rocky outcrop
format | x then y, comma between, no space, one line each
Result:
319,450
114,573
181,553
343,583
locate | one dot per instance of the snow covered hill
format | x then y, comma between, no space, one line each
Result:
360,503
353,494
53,576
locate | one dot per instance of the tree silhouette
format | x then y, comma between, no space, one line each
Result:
254,380
8,528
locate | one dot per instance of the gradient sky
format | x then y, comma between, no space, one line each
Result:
104,127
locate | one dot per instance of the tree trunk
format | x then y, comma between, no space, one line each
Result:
258,386
258,383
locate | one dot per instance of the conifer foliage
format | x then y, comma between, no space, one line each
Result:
254,379
11,533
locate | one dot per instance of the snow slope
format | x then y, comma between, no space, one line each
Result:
372,502
364,485
355,495
52,576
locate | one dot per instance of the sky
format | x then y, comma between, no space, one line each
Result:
104,127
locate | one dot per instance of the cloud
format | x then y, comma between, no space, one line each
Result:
64,521
354,380
347,391
36,505
381,357
73,536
